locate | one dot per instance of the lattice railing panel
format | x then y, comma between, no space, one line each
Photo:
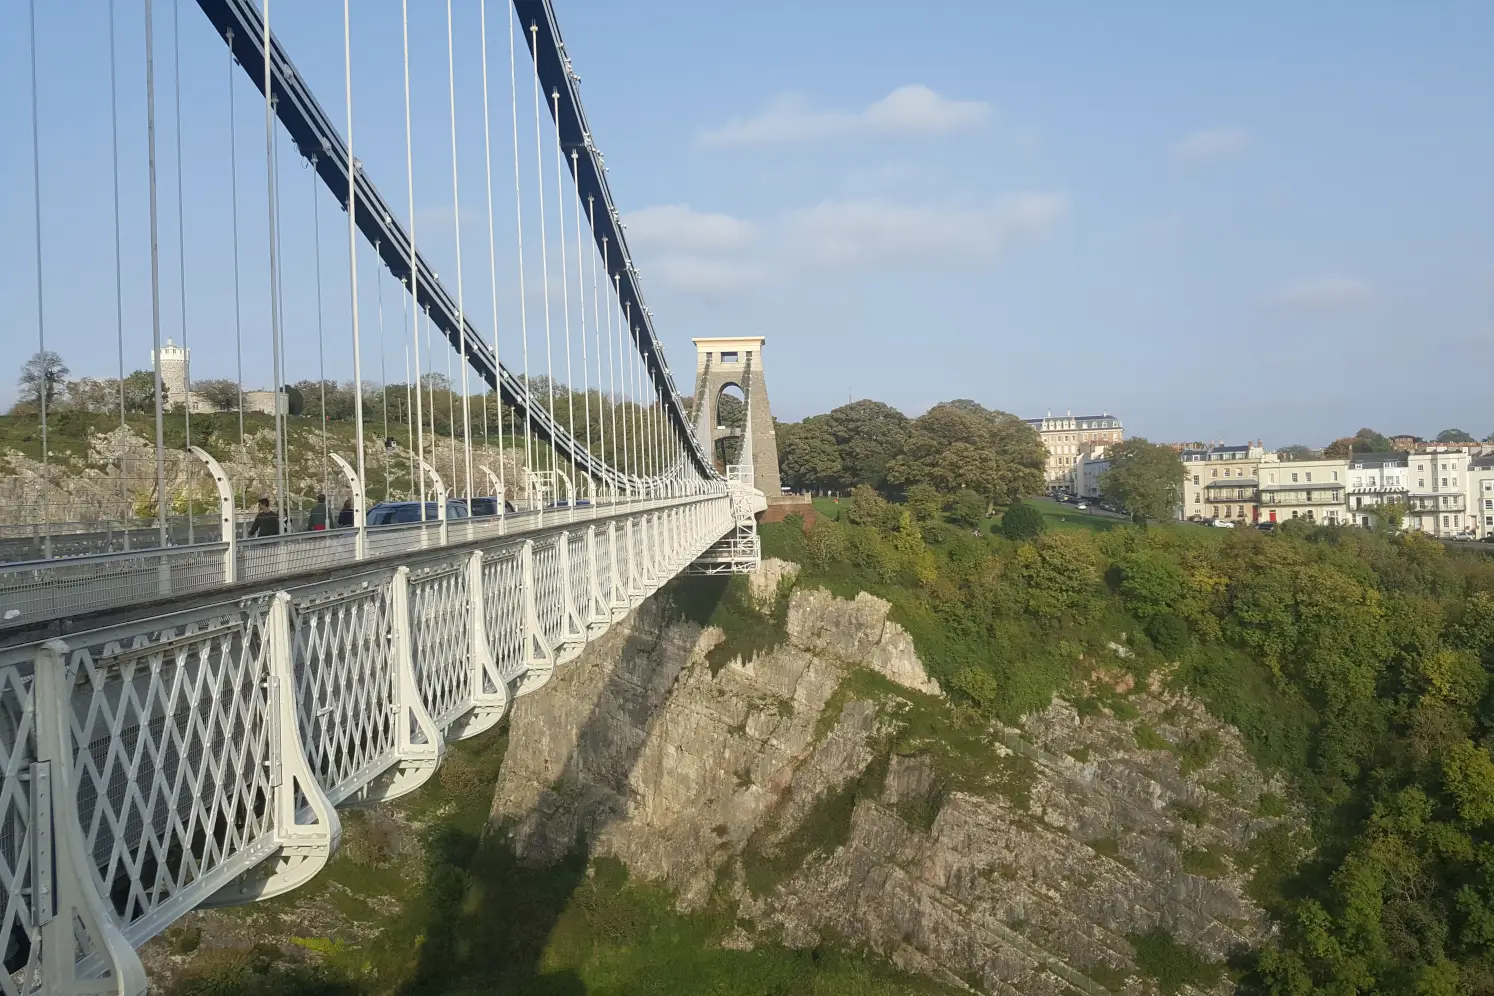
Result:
298,553
604,566
17,751
549,595
440,625
173,748
639,551
580,565
69,587
346,681
503,610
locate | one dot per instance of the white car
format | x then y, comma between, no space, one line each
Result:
1081,506
1223,524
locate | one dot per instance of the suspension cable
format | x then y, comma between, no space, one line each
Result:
347,57
487,148
181,259
233,183
155,250
410,419
44,385
596,333
456,213
118,264
277,303
581,294
539,166
414,286
565,286
611,370
622,380
383,369
513,91
321,354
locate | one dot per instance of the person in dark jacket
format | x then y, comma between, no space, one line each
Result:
266,522
345,516
318,519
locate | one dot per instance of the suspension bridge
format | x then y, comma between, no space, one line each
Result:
191,689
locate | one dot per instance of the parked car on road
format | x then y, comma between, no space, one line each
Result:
1222,524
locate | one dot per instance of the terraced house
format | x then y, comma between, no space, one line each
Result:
1222,482
1314,490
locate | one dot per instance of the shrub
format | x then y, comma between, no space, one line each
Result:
1168,633
1022,522
867,508
966,508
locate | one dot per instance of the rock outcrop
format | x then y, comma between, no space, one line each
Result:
822,789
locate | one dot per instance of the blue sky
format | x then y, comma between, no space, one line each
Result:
1269,221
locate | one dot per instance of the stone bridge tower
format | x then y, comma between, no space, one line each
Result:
736,361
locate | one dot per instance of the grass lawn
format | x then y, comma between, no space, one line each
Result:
829,508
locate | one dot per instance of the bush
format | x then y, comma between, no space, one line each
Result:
1022,522
867,508
966,508
1168,633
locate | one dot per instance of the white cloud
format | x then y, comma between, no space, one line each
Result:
873,231
675,227
1211,144
696,276
908,111
1329,292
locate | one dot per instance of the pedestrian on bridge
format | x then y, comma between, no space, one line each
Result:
345,515
266,522
318,519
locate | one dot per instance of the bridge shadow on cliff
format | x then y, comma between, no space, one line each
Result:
491,917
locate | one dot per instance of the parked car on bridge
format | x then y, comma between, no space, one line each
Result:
389,513
481,506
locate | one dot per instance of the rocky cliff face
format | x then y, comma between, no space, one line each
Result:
822,789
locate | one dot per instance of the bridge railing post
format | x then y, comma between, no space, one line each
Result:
305,848
226,515
489,692
538,656
419,743
65,885
360,520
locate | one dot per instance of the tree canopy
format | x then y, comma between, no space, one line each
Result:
958,446
1363,441
1145,478
1455,436
41,377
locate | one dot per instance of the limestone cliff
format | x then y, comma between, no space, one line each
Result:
821,789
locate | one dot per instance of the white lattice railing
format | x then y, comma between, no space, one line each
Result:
196,758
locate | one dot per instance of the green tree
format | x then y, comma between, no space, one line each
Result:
959,445
1145,478
868,436
1022,521
966,508
808,458
1455,436
924,503
866,507
1363,441
1059,573
140,393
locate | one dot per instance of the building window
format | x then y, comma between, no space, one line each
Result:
1195,480
728,357
1421,482
1444,522
1215,472
1444,482
1197,498
1294,478
1309,477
